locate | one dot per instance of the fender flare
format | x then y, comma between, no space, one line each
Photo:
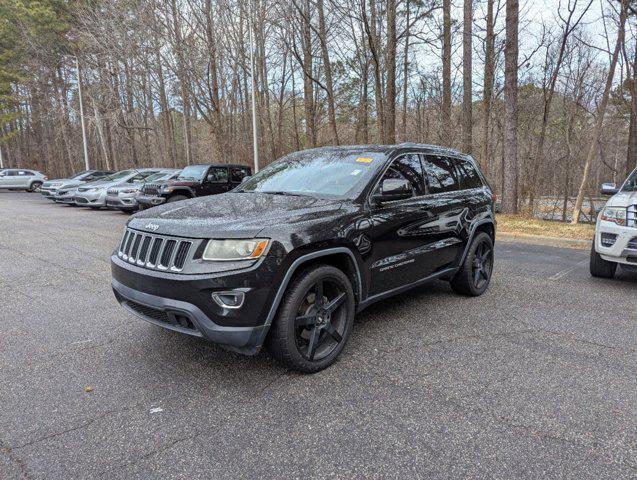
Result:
298,263
485,221
180,190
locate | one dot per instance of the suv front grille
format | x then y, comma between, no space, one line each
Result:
154,251
631,217
111,191
150,188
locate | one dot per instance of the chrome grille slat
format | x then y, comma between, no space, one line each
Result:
143,251
631,217
167,254
154,251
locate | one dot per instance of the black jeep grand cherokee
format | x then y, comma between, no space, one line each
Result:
287,258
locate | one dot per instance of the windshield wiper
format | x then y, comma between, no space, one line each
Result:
281,192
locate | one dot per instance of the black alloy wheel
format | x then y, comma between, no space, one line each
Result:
474,275
314,321
321,320
482,265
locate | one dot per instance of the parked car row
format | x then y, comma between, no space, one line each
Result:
135,189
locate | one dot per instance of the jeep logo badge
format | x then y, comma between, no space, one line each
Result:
153,227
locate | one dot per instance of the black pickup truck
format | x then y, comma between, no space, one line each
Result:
194,181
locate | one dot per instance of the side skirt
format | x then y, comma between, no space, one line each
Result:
446,273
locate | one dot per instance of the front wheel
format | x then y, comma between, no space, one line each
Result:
599,267
314,321
474,275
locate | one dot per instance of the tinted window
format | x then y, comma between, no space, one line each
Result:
409,168
237,174
218,175
441,174
469,177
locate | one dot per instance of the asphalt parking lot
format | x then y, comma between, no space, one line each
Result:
536,379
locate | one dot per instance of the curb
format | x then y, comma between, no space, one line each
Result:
548,241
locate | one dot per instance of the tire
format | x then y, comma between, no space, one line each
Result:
476,271
599,267
300,323
35,187
176,198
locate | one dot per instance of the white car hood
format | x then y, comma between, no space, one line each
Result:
622,199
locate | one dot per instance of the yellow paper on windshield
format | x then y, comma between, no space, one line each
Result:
364,160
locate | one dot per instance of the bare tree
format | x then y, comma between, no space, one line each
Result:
510,163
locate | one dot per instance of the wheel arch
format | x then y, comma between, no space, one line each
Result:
486,225
340,257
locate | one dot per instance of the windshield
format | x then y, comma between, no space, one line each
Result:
80,175
328,174
159,176
193,172
118,175
631,183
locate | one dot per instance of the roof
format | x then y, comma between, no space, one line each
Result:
387,149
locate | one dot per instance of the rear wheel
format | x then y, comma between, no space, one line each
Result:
599,267
314,321
35,187
474,275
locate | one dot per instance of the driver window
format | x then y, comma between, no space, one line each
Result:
217,175
408,167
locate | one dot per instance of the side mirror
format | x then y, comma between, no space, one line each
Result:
393,189
609,189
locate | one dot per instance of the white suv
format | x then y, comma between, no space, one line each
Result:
616,231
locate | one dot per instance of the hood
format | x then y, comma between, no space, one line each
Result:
104,184
231,215
121,186
62,182
182,183
622,199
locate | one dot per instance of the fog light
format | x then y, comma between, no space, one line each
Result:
232,299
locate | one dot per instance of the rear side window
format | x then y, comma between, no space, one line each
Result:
408,167
218,175
237,174
469,177
441,175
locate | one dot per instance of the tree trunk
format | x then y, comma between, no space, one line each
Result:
390,98
308,84
592,149
329,85
510,164
403,128
183,80
446,73
488,87
631,158
467,84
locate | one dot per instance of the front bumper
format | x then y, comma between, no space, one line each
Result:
183,303
624,248
150,200
122,202
91,199
48,193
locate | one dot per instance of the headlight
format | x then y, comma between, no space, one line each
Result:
94,189
615,215
130,190
232,250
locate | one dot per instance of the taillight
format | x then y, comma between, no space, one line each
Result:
494,197
46,178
